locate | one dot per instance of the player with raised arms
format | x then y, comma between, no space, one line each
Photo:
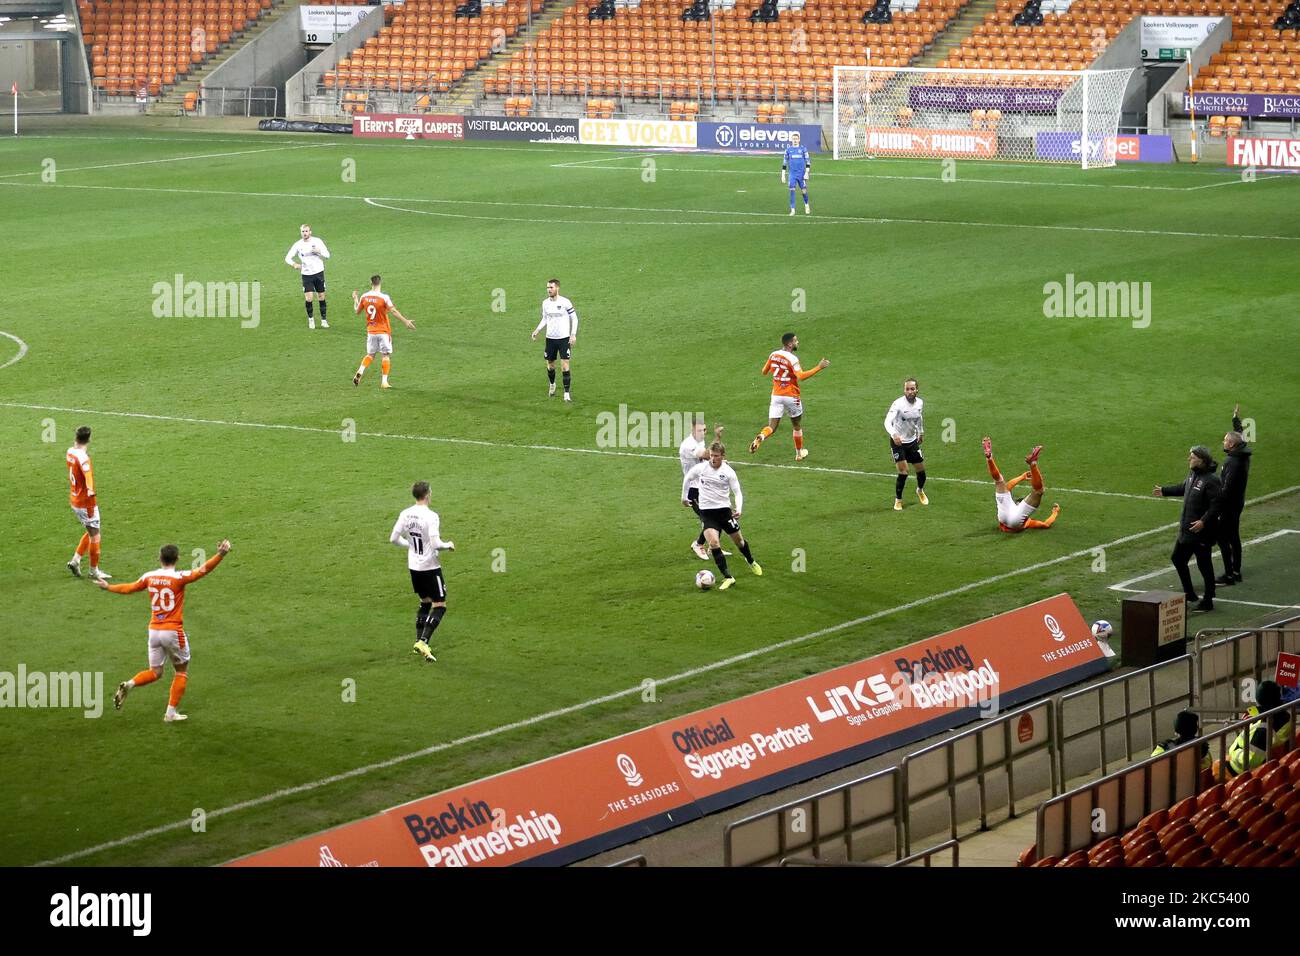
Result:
167,637
1013,516
783,366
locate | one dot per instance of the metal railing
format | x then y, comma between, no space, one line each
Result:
1117,802
994,750
1099,724
638,860
240,101
924,856
1222,663
811,823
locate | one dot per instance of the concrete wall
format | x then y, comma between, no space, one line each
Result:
305,82
77,97
268,60
1158,108
1122,53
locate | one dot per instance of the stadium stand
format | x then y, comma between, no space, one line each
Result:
429,45
1070,34
1252,820
149,44
663,49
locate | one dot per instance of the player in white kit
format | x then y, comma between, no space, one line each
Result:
560,320
417,531
905,429
311,253
717,482
692,451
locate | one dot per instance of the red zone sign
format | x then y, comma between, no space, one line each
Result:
408,126
579,803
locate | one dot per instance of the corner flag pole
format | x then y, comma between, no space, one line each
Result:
14,90
1191,104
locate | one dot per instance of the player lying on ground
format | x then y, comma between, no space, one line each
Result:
797,165
717,481
167,637
379,333
786,374
1013,516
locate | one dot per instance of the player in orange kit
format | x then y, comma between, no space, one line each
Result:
167,638
1013,516
786,374
379,334
81,495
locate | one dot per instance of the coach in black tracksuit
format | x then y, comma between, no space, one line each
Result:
1236,470
1196,529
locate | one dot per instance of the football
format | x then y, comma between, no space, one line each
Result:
1102,630
704,579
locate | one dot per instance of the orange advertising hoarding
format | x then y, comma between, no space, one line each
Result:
579,803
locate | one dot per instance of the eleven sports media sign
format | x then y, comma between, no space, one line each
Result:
679,770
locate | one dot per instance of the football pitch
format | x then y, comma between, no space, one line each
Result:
572,613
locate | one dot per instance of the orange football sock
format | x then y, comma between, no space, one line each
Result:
765,433
385,364
993,470
798,441
144,677
94,554
365,362
1035,477
83,545
1045,523
178,689
1012,482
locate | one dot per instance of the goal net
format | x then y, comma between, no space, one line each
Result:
1045,116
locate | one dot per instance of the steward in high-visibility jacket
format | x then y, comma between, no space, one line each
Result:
1187,727
1252,747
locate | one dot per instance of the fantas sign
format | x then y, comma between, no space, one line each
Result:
901,141
579,803
405,126
1264,153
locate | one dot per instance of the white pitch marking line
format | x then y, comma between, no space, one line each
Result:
481,443
22,349
175,159
589,164
838,220
1124,585
549,221
1235,182
1221,600
607,698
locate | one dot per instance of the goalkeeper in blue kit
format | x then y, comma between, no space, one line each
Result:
797,165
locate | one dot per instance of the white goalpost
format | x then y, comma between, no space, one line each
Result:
1045,116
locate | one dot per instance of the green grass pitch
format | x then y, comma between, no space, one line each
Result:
685,272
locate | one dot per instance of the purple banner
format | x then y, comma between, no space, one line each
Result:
1124,149
1007,99
1244,104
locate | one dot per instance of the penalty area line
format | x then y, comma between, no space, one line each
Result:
607,698
561,449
